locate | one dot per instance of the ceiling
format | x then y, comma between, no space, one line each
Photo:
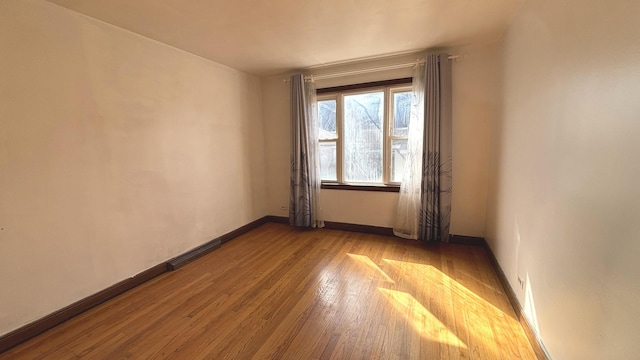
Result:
264,37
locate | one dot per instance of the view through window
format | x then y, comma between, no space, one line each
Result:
363,135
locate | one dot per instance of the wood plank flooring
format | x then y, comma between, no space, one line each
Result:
282,293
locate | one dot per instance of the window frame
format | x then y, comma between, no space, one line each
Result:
336,140
389,88
391,127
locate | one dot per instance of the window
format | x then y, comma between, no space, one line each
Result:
363,134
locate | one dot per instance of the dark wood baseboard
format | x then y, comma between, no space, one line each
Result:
39,326
368,229
277,219
536,343
193,254
243,229
466,240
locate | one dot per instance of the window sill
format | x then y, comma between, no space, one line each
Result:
381,187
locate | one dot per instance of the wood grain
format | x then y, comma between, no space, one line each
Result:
282,293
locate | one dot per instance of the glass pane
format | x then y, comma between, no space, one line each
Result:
363,139
327,119
328,161
401,113
398,155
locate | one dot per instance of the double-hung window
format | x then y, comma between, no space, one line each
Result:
363,134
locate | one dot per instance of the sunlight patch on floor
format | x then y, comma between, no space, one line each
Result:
368,264
480,318
420,318
431,276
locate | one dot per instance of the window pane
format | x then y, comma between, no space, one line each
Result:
327,119
328,161
398,155
363,139
401,113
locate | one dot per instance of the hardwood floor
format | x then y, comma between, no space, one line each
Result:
281,293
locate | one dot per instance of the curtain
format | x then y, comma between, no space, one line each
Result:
304,205
408,212
424,206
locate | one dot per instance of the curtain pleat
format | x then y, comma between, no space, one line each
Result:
424,205
304,205
435,210
407,217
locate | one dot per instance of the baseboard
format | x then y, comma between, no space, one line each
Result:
466,240
368,229
243,229
277,219
193,254
536,343
39,326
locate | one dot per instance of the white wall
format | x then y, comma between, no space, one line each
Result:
116,154
565,200
475,104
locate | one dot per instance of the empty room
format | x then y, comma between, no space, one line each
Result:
412,179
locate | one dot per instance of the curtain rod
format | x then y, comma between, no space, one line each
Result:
370,70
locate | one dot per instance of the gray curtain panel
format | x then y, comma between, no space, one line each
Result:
435,210
305,183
